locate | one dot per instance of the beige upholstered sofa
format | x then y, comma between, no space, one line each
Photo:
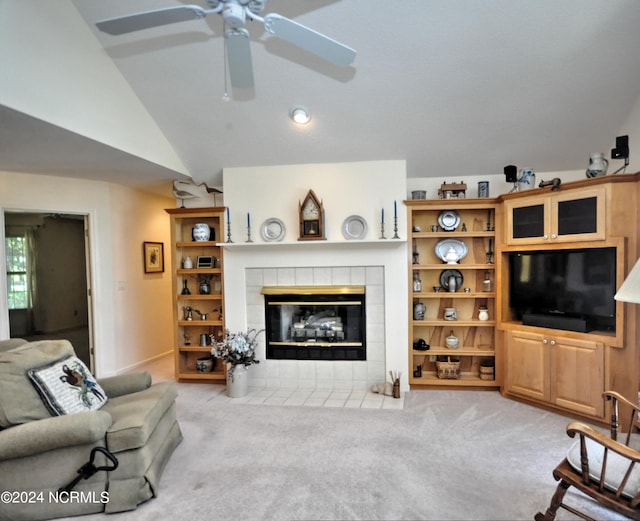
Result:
41,452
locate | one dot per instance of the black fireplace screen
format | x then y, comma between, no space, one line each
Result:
315,323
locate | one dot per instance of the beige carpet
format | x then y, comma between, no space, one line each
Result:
445,455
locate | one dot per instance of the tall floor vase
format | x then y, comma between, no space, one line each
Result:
238,382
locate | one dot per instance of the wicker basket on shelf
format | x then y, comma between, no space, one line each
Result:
448,369
487,371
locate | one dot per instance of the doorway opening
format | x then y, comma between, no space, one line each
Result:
48,278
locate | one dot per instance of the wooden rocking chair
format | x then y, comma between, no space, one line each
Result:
605,469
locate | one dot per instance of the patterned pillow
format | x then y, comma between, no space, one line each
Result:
66,386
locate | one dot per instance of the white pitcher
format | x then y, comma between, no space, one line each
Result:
598,165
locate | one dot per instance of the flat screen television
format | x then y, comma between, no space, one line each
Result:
565,284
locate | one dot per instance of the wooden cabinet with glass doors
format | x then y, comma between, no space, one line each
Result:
552,218
197,275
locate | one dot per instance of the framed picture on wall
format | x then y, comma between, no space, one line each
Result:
153,257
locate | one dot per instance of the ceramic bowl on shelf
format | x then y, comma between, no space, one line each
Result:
205,364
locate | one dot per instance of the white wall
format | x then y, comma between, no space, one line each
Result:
133,324
143,318
359,188
631,128
54,69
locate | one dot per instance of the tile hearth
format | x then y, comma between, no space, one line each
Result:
315,398
162,369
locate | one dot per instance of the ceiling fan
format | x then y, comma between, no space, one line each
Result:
235,13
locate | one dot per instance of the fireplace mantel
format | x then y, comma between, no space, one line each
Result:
313,244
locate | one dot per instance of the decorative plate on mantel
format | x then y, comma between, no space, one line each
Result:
354,227
273,230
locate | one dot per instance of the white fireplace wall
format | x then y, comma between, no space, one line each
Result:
361,188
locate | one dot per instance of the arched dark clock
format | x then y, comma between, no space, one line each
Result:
311,213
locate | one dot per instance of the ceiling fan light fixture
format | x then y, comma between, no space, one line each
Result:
300,115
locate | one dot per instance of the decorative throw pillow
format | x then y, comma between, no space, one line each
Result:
67,386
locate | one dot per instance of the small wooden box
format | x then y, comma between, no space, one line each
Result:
452,190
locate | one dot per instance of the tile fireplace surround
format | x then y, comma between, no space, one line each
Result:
309,374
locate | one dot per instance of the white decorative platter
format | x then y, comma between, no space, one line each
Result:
354,227
449,220
273,230
443,248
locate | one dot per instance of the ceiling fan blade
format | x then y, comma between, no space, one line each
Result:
308,39
148,19
239,58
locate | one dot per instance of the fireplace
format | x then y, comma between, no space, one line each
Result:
315,322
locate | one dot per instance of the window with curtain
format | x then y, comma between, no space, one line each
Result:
17,279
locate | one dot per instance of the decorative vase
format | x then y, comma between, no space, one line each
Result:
237,382
527,180
452,341
205,287
417,283
201,232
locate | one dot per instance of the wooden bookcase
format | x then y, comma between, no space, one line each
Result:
477,338
188,309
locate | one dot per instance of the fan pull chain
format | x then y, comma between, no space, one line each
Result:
225,96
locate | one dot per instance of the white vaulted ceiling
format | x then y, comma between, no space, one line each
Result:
455,87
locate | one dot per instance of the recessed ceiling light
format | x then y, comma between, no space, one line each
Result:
300,115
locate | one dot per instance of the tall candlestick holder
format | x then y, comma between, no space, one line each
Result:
395,228
228,233
382,230
248,234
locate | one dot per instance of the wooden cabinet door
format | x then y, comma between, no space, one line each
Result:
578,216
577,375
528,365
528,220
